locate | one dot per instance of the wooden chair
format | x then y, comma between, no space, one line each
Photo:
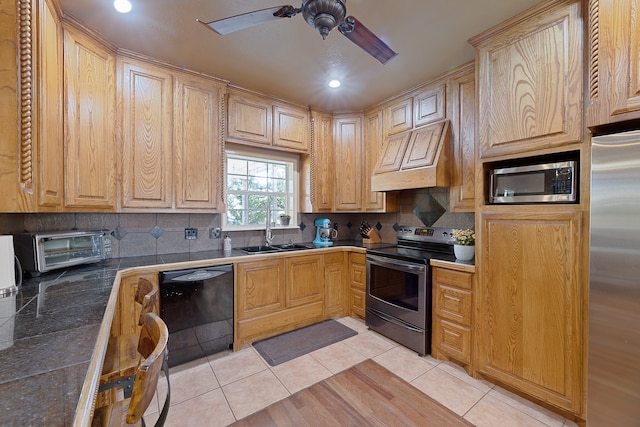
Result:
147,297
139,390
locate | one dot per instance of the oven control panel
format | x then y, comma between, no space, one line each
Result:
425,234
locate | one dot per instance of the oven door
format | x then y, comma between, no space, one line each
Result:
398,289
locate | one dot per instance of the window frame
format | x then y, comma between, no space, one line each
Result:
267,156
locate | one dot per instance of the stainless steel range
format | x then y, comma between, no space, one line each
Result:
398,296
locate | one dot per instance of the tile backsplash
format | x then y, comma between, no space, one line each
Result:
142,234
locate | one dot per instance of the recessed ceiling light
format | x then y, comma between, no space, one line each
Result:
122,6
334,83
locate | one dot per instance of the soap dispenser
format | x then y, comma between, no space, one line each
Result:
226,243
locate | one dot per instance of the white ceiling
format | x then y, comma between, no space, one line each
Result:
287,58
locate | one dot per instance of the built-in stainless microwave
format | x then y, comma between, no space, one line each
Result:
46,251
554,182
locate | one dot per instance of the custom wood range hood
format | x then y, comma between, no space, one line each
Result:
415,159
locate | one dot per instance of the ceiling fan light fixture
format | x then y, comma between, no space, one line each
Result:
324,15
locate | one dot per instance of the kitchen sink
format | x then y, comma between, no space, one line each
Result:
292,246
262,249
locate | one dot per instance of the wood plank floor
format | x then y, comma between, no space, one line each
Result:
364,395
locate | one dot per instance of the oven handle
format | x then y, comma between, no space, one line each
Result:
393,320
396,263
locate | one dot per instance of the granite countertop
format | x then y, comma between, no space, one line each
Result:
48,330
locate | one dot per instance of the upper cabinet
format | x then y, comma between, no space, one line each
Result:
347,140
463,102
89,122
197,144
171,138
530,81
48,111
614,62
429,104
317,171
398,116
260,121
146,113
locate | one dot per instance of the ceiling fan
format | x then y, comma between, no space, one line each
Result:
323,15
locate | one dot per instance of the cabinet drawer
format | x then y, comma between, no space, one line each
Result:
334,258
452,339
453,278
452,304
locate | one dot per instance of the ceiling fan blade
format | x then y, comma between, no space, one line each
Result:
355,31
249,19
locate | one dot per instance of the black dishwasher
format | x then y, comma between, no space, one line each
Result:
197,306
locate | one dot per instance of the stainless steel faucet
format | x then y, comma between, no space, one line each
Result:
268,238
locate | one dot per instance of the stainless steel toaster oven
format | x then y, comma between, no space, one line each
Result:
46,251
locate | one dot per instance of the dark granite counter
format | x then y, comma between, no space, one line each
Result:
48,331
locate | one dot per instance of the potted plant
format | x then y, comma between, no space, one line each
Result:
285,218
465,244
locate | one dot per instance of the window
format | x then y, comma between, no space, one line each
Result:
255,180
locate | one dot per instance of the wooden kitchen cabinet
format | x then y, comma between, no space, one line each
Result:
452,314
374,201
357,283
89,122
463,122
197,143
614,61
530,82
277,294
529,304
335,290
348,155
48,113
261,288
305,280
260,121
318,168
147,101
429,105
398,116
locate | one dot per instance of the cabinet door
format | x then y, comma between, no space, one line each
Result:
614,64
250,120
321,177
90,167
358,283
334,284
291,128
398,116
423,145
260,288
305,280
463,123
530,81
348,163
147,97
198,144
374,201
429,105
529,304
50,139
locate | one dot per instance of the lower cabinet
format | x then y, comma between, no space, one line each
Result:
335,291
452,314
276,295
357,283
529,304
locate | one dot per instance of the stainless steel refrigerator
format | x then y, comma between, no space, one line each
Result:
613,389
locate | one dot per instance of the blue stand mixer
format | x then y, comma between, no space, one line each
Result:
324,233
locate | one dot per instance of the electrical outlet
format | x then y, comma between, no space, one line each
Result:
190,233
214,233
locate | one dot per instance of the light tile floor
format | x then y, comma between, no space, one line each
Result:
225,387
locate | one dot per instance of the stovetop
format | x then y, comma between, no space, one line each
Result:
419,244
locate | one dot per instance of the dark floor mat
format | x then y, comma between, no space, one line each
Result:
284,347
